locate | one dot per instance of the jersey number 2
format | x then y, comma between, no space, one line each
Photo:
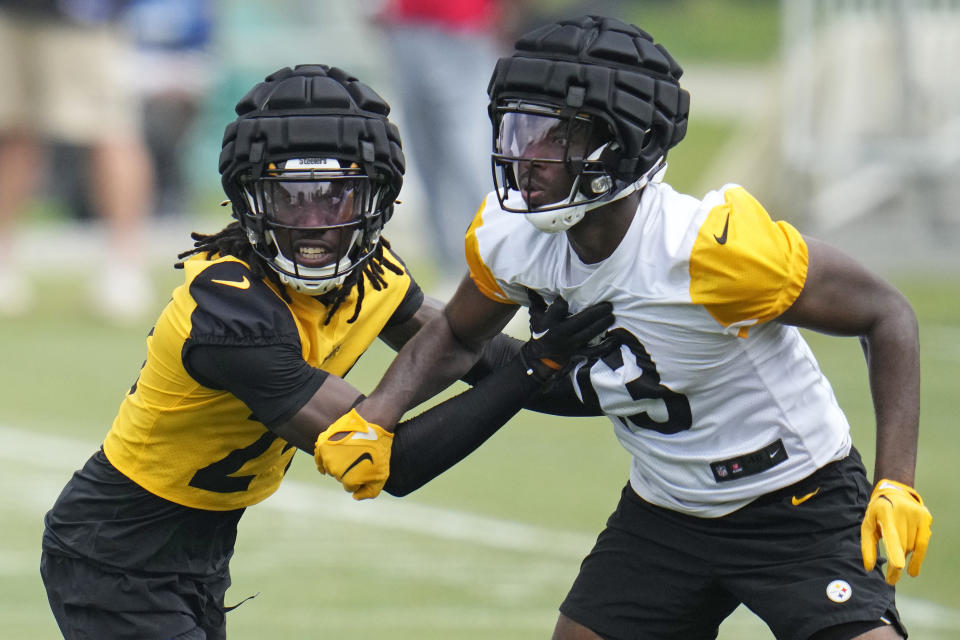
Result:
216,476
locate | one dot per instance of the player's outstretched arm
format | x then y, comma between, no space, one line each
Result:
443,351
495,353
429,444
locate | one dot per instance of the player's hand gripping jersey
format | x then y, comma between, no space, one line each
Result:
198,444
716,404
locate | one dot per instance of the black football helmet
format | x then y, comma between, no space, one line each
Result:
312,167
593,95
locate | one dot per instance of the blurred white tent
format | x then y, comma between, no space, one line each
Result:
871,109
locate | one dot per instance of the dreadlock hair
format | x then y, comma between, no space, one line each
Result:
232,241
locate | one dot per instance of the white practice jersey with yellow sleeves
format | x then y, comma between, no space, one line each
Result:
716,404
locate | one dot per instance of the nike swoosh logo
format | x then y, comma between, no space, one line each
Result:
774,454
360,458
536,335
722,238
241,284
795,501
369,434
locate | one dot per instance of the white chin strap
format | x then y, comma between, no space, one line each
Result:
562,219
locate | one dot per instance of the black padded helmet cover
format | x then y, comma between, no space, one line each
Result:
311,111
605,68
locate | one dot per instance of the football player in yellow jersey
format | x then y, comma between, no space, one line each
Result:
246,364
744,486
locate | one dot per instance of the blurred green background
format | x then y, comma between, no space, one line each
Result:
490,548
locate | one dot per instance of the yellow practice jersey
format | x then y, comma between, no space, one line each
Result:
717,404
199,446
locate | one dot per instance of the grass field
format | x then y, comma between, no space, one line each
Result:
486,551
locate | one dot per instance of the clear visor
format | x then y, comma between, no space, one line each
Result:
529,136
312,203
540,157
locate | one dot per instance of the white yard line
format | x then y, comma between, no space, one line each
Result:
62,454
437,522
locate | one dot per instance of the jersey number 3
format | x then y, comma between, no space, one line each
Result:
645,387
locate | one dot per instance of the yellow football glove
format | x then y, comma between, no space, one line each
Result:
896,514
360,459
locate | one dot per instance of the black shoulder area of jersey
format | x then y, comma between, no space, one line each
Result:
411,303
234,307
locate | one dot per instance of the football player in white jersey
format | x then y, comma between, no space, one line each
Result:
744,486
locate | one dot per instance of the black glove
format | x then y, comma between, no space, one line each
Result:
556,336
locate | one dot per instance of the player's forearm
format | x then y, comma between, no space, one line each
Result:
893,361
496,353
432,360
427,445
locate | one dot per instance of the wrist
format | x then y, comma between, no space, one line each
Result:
541,370
540,367
888,484
537,368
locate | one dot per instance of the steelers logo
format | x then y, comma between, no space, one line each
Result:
839,591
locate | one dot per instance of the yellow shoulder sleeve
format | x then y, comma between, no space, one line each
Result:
479,271
744,267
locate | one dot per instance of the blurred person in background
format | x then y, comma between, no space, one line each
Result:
244,366
441,52
744,486
172,40
62,69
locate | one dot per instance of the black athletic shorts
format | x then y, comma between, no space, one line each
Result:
92,602
656,573
120,562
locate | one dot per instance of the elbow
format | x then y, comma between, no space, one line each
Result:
902,318
897,328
